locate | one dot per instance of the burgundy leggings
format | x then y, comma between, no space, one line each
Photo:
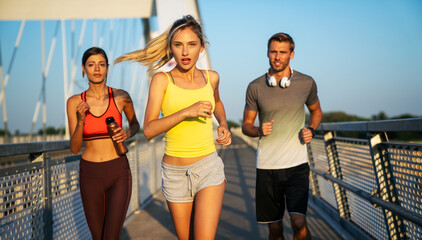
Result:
105,188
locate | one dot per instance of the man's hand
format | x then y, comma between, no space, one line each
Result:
307,135
266,128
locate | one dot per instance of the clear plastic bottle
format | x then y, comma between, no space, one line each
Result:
120,147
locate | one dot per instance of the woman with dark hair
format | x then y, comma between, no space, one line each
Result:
105,178
193,180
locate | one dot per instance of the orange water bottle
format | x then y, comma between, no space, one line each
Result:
120,147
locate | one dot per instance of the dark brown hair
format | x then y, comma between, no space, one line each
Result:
93,51
282,37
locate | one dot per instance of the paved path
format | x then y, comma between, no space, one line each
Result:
238,214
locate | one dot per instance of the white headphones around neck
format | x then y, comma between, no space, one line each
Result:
284,82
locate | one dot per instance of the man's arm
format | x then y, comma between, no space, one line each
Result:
314,121
248,127
250,130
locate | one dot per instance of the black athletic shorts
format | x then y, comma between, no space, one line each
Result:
277,187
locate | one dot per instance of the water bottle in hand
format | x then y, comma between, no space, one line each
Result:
120,147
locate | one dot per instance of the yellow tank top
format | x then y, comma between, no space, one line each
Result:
193,137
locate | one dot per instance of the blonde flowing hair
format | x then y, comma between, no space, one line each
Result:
158,49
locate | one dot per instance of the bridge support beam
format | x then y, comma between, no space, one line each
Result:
47,202
312,175
386,187
335,171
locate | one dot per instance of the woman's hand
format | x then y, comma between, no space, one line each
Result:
81,110
224,135
200,109
76,112
120,135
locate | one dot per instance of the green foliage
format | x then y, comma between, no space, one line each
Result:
341,117
51,131
404,136
3,132
380,116
404,116
232,124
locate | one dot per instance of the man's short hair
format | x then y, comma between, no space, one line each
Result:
282,37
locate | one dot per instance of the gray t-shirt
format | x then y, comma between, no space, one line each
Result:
283,147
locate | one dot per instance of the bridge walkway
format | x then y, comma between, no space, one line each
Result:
237,219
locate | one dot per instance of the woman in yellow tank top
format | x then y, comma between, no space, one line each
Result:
187,97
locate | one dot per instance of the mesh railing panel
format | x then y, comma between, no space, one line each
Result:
21,203
159,152
21,194
327,191
406,165
145,190
68,214
367,217
21,188
149,169
357,170
321,163
134,200
356,164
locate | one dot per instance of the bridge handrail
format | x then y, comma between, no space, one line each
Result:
48,146
39,199
348,176
395,125
360,181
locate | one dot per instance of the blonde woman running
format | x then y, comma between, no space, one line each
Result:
193,174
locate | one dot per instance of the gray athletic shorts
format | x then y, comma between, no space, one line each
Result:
182,183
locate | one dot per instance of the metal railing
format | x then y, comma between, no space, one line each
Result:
371,186
39,188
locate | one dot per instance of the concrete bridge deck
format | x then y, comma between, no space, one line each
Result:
238,214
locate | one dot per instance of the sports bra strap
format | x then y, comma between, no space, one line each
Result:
110,93
83,96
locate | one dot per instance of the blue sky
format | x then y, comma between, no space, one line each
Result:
364,55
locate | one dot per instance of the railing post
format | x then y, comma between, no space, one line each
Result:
386,187
135,170
335,171
47,203
154,167
312,175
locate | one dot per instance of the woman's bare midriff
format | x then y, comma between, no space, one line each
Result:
178,161
100,150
